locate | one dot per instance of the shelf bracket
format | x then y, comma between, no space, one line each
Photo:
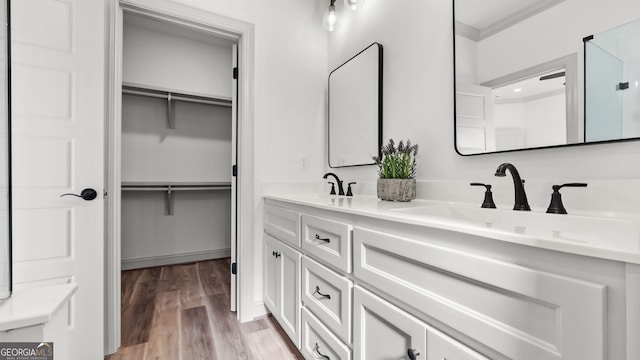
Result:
168,202
171,119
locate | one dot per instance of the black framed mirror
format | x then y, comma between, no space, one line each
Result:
520,74
5,155
355,109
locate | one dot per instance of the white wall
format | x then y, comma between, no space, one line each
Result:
164,61
418,101
197,150
545,123
542,120
292,63
290,74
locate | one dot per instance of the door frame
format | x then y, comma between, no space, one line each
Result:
217,25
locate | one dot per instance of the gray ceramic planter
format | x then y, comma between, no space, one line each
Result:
397,189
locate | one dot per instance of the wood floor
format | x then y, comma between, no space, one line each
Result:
181,312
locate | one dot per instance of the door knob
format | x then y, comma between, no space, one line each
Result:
86,194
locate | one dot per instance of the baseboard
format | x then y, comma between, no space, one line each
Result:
260,310
138,263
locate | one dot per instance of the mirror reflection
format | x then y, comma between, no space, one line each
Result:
520,73
355,109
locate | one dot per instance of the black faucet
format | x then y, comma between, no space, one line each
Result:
340,188
518,184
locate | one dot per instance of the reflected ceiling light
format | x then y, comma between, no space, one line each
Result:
353,4
330,19
517,90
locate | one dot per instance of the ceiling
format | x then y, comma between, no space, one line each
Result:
480,19
531,88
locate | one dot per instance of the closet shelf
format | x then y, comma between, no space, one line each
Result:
170,188
165,186
171,97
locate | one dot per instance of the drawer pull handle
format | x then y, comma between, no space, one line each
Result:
413,353
322,239
326,296
317,350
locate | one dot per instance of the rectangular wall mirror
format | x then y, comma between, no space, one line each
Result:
5,155
355,109
521,78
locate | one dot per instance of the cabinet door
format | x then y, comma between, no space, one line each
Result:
383,331
289,291
443,347
318,342
271,274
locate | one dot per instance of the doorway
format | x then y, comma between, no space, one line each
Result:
208,28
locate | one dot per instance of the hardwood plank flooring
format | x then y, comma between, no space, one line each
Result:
181,312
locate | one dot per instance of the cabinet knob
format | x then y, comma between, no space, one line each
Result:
413,353
322,356
323,239
326,296
278,254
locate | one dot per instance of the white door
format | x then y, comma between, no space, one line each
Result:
58,112
475,125
383,331
234,183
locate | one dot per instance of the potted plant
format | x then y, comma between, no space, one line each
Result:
397,171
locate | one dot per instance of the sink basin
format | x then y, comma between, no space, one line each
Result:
609,232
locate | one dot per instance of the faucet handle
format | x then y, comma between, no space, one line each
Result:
349,193
333,188
556,206
488,196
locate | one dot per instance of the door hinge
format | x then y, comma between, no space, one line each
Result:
622,86
234,170
234,269
235,73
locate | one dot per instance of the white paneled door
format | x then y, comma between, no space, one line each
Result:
58,112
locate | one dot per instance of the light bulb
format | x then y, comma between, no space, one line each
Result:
330,20
353,4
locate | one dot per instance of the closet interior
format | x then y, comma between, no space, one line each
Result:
176,144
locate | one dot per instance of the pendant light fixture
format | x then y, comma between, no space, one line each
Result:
330,19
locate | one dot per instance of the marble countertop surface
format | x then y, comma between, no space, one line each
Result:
605,235
34,306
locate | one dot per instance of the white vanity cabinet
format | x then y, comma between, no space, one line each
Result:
387,288
282,285
384,331
318,342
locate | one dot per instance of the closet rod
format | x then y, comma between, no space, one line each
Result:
175,188
168,95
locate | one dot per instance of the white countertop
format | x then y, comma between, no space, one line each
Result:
34,306
619,240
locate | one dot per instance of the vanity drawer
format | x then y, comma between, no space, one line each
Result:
328,296
328,240
440,346
318,342
283,224
489,300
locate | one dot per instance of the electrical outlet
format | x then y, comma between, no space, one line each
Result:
303,162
